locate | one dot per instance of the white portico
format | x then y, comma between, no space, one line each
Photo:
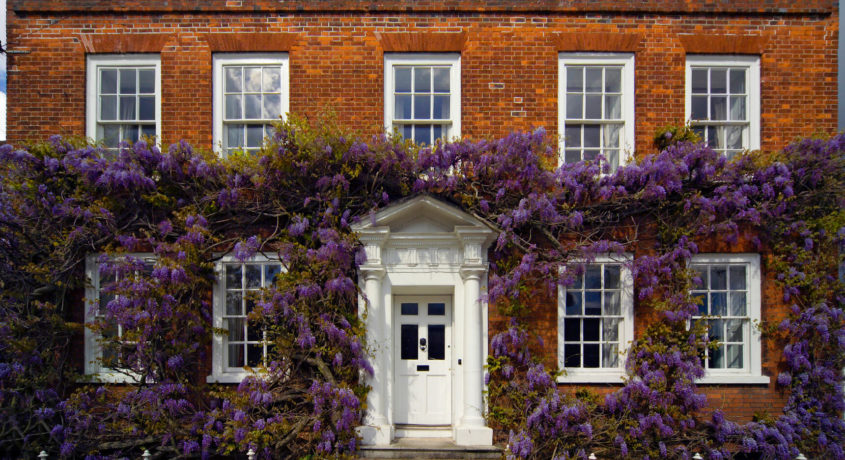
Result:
423,278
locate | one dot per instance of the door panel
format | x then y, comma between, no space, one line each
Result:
422,357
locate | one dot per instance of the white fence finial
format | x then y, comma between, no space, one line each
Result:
697,456
251,454
592,456
800,456
146,455
43,455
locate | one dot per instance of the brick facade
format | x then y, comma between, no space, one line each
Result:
509,63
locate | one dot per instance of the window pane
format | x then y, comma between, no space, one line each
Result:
233,79
272,80
108,81
146,108
127,81
236,355
422,107
718,277
718,81
270,272
591,355
571,330
236,329
572,355
737,276
717,330
252,106
131,133
441,107
255,355
572,156
717,358
611,136
422,79
613,80
402,108
575,79
612,303
111,135
409,334
610,355
592,135
610,330
441,80
592,106
436,309
611,276
408,131
108,107
699,81
436,132
737,107
146,81
422,134
127,107
573,302
402,82
613,107
718,303
253,276
233,276
572,136
592,277
591,329
698,108
738,304
436,341
234,306
591,155
233,107
272,106
254,135
592,303
252,79
718,108
734,356
737,81
409,308
148,131
735,329
733,137
574,108
234,136
700,299
592,79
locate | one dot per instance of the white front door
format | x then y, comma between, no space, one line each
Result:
422,340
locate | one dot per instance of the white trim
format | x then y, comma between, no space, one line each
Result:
94,62
93,371
752,63
219,60
453,129
752,373
601,375
626,60
219,372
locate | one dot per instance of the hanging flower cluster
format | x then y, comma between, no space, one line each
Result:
62,201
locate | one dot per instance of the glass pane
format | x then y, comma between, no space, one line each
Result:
592,106
436,132
436,341
591,329
610,355
236,329
738,304
127,107
698,108
254,135
422,134
699,81
422,79
252,79
734,356
272,80
737,107
574,108
108,107
613,80
108,81
272,106
572,355
718,278
717,358
234,136
717,329
127,81
407,130
255,355
234,306
571,330
402,107
270,272
573,302
718,108
592,135
611,276
441,107
718,303
236,356
233,107
613,107
422,107
410,308
612,303
733,137
253,334
734,330
591,355
575,79
148,130
409,339
402,81
591,155
700,299
111,135
610,330
233,276
592,303
737,276
233,79
611,136
715,138
146,108
252,106
253,276
146,81
441,80
572,156
737,81
592,79
701,274
131,133
592,276
572,136
718,81
436,309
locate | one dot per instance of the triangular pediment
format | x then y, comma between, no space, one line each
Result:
422,214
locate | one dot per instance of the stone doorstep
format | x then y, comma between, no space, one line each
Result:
429,448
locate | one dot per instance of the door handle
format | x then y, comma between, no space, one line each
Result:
422,343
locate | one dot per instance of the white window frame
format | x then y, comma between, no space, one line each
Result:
626,60
220,372
452,127
752,372
93,348
626,333
92,103
220,60
752,64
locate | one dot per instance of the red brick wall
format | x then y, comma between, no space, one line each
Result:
509,76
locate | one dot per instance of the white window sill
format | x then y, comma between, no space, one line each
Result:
232,377
111,377
737,379
579,376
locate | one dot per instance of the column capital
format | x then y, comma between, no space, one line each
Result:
473,272
372,272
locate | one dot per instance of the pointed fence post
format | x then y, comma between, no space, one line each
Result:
697,456
592,456
251,454
800,456
43,455
146,455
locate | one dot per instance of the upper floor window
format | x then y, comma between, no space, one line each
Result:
238,286
422,96
123,98
728,298
105,349
250,94
596,106
596,322
723,101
